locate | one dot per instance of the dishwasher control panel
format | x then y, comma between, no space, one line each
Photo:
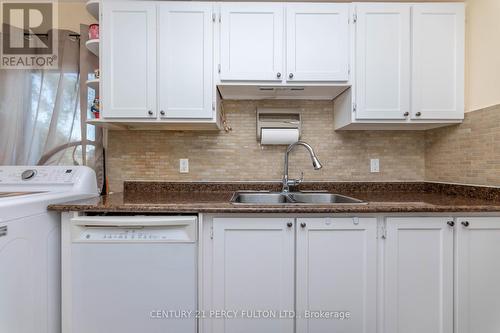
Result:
142,235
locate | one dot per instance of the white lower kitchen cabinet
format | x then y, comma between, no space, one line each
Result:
478,275
336,271
418,283
253,270
387,274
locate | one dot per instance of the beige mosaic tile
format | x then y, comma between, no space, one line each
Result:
237,156
468,153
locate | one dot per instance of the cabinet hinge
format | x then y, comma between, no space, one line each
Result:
213,106
383,231
349,69
213,17
354,107
211,232
220,18
354,18
3,231
218,68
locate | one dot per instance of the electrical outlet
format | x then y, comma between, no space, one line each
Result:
374,165
184,165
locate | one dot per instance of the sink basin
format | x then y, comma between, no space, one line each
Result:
274,198
323,198
259,198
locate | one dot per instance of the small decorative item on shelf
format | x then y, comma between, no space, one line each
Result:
95,108
97,73
94,31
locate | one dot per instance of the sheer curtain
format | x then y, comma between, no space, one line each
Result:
40,113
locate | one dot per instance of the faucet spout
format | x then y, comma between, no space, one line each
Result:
315,162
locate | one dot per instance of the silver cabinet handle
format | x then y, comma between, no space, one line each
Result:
302,225
418,114
278,75
290,75
150,112
465,223
162,112
406,114
289,224
451,223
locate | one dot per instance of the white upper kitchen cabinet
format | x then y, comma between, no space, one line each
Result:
128,53
253,270
408,67
337,271
478,275
317,42
418,283
251,41
438,61
382,61
185,63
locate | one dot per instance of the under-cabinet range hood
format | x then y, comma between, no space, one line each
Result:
252,92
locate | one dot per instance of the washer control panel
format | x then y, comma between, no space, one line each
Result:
38,175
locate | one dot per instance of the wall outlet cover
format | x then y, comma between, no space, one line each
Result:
184,165
374,165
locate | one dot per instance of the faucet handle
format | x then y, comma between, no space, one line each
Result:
295,182
301,178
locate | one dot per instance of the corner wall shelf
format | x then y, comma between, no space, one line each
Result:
93,46
94,84
93,8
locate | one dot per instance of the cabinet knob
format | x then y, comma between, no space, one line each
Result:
150,112
303,225
465,223
450,223
418,114
406,114
162,112
289,224
278,75
290,75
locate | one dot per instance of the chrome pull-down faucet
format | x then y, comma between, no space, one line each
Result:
294,182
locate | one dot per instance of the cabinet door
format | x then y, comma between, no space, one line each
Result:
252,41
317,38
336,271
438,61
185,60
253,271
382,61
419,275
129,60
478,275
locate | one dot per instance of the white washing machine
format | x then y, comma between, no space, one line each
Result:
30,269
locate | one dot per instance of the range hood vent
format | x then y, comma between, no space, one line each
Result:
252,92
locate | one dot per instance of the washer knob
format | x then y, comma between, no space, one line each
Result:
28,174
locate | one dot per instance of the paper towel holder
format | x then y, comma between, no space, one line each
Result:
278,118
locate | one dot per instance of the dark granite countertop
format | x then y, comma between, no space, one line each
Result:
156,197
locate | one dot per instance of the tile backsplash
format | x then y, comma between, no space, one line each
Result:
468,153
237,156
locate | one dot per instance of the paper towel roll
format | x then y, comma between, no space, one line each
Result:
279,136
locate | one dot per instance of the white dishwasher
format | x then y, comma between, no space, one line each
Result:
129,274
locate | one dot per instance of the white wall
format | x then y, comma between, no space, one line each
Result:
72,14
482,54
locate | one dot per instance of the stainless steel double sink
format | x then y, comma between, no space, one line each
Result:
276,198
